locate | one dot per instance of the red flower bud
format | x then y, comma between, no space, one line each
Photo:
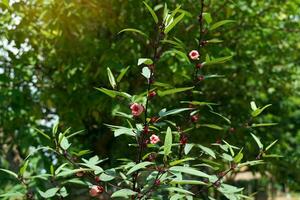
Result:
96,190
157,182
97,179
201,78
217,184
146,129
154,119
194,118
232,129
152,94
152,157
183,139
199,65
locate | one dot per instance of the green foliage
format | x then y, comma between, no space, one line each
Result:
60,51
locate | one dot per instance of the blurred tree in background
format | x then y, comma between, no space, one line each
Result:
54,53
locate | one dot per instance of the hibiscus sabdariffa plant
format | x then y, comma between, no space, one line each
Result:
167,165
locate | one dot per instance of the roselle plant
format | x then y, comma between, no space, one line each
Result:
167,164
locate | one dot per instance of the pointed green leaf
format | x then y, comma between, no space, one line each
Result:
42,133
111,78
49,193
134,31
168,142
121,75
258,142
151,12
268,147
164,113
176,162
9,172
146,61
207,17
189,170
139,166
212,126
173,91
207,150
217,60
125,193
220,23
146,72
173,24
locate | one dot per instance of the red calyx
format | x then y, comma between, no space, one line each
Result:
157,182
183,139
152,94
201,78
194,118
199,65
146,129
154,119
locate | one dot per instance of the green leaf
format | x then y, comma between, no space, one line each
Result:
174,12
214,40
49,193
63,192
179,54
177,196
64,143
42,133
173,24
268,147
9,172
146,61
111,78
54,129
151,12
113,93
189,170
5,3
168,142
258,142
207,17
76,133
217,60
199,103
207,150
220,23
263,124
24,167
251,163
187,182
225,118
173,91
258,111
134,30
229,147
123,131
139,166
164,113
188,148
253,105
13,195
126,193
176,162
121,75
238,157
146,72
212,126
179,190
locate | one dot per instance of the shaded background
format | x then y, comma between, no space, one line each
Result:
53,53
